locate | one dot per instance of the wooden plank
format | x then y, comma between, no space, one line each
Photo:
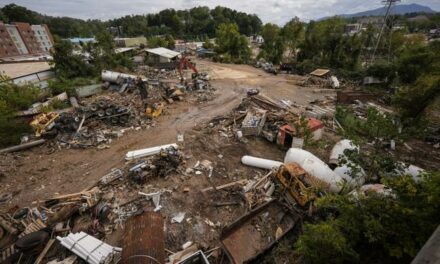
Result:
225,185
44,252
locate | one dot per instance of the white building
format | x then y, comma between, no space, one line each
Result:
18,41
42,37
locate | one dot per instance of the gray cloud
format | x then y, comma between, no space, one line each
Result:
275,11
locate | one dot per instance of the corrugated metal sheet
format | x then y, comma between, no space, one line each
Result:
144,240
319,72
163,52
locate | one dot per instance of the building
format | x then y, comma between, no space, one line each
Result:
28,37
15,36
352,29
81,41
24,39
43,36
130,42
28,72
7,45
161,55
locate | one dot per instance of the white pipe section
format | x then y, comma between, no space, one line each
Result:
147,152
260,163
111,76
338,150
411,170
345,170
316,168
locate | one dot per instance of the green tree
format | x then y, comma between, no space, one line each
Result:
207,44
419,70
325,44
68,64
231,43
293,34
156,42
273,47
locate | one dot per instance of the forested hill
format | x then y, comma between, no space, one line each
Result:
194,23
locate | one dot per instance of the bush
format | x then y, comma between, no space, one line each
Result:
382,70
325,243
394,227
412,100
18,97
14,98
11,130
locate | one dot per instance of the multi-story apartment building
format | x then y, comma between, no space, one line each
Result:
17,39
7,45
28,37
23,38
43,36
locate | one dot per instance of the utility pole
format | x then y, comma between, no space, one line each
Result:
389,5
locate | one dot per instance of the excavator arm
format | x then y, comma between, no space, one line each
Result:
184,62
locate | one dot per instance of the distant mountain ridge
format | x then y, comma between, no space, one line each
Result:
396,10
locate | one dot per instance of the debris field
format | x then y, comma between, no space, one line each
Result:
191,171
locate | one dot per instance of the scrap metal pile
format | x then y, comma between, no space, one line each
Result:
99,116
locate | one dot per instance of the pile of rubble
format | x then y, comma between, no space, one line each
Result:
95,119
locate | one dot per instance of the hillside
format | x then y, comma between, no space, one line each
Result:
194,23
397,10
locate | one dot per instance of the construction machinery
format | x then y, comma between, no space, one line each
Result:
44,122
185,63
294,179
154,110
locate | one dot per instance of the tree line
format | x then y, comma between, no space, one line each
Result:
194,23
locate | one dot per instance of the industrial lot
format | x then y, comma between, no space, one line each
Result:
120,148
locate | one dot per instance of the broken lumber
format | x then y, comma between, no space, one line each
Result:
225,185
44,252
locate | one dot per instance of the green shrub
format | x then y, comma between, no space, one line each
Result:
325,243
14,98
394,227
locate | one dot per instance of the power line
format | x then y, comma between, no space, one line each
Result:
388,4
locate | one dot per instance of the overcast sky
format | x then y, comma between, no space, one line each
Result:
275,11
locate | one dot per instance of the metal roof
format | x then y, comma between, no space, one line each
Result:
164,52
122,50
15,70
319,72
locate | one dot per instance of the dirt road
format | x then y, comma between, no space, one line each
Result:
41,172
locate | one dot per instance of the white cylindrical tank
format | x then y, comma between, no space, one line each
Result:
260,163
111,76
316,168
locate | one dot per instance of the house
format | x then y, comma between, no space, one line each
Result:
352,29
161,56
81,41
130,42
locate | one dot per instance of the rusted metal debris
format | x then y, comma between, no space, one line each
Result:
257,231
144,240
